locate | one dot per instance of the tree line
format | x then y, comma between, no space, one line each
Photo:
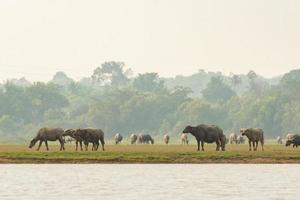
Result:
118,102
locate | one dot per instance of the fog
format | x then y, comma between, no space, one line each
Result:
41,37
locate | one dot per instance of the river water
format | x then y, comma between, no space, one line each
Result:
142,182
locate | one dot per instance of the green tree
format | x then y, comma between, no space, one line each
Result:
15,103
8,124
45,97
149,82
112,73
236,80
217,91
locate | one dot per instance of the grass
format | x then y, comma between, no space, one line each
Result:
150,154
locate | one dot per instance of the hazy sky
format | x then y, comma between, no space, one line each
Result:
38,38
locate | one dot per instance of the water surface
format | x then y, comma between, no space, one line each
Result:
127,182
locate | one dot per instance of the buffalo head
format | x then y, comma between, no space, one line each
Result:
187,129
244,131
32,142
288,143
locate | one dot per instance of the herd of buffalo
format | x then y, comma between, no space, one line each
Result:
203,133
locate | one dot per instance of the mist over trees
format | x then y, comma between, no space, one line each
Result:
112,99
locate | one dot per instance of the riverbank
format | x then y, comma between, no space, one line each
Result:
122,154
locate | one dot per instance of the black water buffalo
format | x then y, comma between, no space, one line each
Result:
48,134
91,136
87,136
294,139
78,140
145,139
254,136
207,133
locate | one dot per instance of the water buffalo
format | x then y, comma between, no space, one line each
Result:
184,138
145,139
290,136
87,136
279,140
118,138
240,139
92,136
207,133
78,140
48,134
133,138
166,139
233,138
293,139
254,136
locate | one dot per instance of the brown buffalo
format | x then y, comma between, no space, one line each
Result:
48,134
254,136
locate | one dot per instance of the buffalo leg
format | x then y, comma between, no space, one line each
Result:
202,145
63,146
46,143
96,146
40,144
102,144
198,143
253,145
61,141
80,142
76,145
249,145
262,145
218,145
223,146
256,145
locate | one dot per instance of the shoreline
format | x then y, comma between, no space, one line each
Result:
150,154
90,161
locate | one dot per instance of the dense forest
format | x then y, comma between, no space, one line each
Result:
118,102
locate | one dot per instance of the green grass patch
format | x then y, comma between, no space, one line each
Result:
150,154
